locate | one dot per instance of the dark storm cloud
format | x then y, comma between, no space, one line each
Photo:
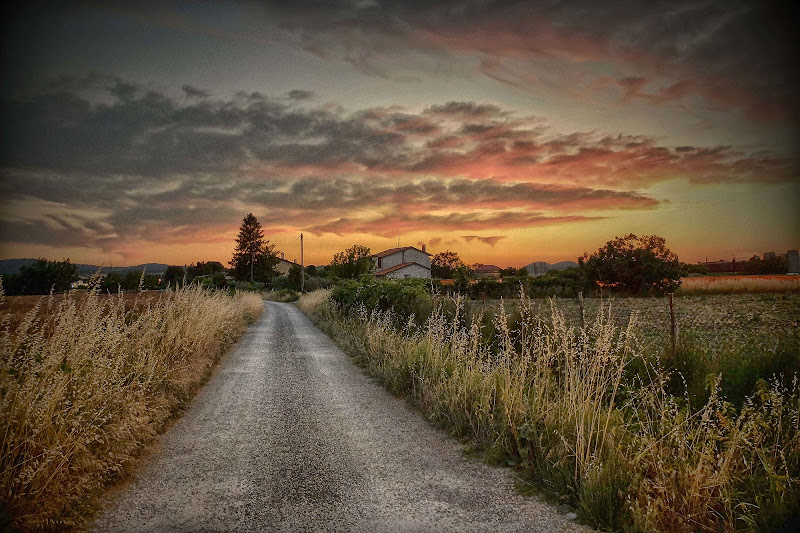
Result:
389,225
194,92
433,194
467,109
299,94
142,162
733,54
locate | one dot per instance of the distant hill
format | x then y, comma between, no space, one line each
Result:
538,268
12,266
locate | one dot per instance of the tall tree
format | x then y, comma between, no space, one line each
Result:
444,264
353,262
634,264
42,277
254,258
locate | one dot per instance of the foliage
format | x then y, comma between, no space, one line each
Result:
636,265
512,272
131,281
774,265
174,276
254,257
461,278
87,381
204,269
560,403
281,295
352,263
212,281
566,284
407,298
692,268
445,264
294,276
42,277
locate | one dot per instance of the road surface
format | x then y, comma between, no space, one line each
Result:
290,436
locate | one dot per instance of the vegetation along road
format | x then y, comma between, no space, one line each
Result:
289,435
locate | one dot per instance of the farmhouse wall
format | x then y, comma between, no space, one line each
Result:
411,271
408,255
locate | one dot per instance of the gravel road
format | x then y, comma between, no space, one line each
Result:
289,435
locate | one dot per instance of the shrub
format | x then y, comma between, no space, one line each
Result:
406,298
637,265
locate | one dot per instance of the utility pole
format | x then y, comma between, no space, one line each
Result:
302,268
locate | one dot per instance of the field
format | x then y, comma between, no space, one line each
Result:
739,284
603,417
743,337
87,380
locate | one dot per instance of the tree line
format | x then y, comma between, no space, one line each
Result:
629,264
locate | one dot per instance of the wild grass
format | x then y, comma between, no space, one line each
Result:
562,404
86,382
739,284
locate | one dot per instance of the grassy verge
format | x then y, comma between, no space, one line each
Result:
86,382
563,405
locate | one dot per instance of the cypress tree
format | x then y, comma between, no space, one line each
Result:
253,258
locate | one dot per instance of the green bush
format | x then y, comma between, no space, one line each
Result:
406,298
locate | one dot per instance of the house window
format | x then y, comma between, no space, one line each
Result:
379,262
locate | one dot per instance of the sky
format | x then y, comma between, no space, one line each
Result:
508,132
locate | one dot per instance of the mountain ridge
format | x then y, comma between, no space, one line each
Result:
539,268
13,266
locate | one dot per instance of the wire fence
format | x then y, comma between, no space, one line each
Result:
708,321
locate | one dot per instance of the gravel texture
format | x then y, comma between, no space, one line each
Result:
289,435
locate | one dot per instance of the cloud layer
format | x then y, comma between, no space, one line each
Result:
97,160
731,55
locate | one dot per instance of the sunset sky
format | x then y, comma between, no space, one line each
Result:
509,132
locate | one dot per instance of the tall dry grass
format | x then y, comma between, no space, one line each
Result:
739,284
564,405
85,384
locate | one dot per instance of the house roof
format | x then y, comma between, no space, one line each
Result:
487,268
397,267
396,250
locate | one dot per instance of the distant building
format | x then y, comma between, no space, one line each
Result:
402,263
486,271
793,260
284,265
722,265
769,255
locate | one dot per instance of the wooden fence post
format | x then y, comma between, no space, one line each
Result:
580,302
672,325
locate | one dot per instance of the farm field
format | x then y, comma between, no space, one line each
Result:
739,284
603,417
16,307
714,319
743,337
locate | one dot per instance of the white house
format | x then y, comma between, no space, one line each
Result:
401,263
284,264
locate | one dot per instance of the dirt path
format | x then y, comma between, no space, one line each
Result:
289,435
